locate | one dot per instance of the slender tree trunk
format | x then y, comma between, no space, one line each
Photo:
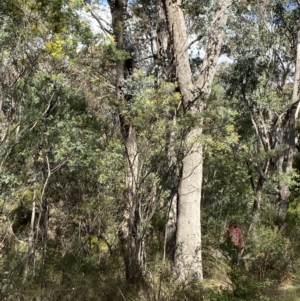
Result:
256,207
133,248
132,245
163,39
30,249
188,260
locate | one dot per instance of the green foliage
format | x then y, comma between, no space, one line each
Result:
248,290
63,158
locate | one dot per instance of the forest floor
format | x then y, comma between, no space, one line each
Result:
289,290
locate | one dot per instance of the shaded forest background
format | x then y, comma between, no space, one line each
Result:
65,155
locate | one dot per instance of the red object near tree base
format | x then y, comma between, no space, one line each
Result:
235,234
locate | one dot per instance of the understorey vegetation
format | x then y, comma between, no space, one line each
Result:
149,150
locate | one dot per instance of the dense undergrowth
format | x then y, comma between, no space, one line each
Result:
63,155
97,274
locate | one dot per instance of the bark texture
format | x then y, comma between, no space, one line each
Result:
188,261
132,246
164,57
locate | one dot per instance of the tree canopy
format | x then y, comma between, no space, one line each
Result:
127,146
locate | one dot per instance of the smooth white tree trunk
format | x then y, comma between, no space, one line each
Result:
188,260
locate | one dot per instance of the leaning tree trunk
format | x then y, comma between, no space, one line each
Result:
188,261
289,137
132,247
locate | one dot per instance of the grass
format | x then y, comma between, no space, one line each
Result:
287,296
289,291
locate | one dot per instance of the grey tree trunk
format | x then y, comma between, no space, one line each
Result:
188,260
257,191
132,247
164,57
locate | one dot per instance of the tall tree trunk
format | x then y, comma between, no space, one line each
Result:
132,246
289,138
164,57
188,260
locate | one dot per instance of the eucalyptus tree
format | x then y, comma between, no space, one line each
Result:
188,263
144,104
288,124
261,78
132,246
